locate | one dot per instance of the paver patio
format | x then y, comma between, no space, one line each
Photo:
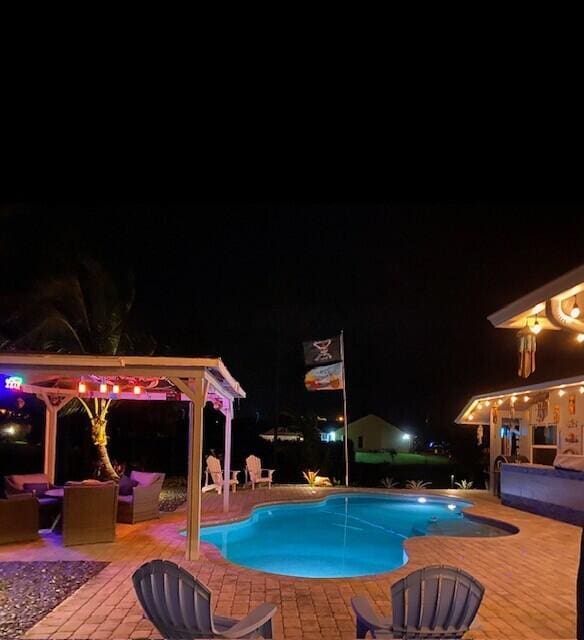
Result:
529,577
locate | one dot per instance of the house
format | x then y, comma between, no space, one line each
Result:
283,434
372,433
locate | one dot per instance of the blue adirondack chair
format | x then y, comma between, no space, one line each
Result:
434,602
179,606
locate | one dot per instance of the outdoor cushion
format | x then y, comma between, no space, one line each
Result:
45,502
143,478
38,488
572,462
15,483
127,486
125,499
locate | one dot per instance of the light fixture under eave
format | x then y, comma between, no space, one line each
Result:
580,337
535,327
500,401
487,403
581,389
103,387
470,416
561,393
575,310
525,398
116,388
82,387
513,399
137,390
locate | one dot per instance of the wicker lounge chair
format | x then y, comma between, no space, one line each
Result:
215,472
434,602
179,606
256,473
144,501
35,483
19,519
89,513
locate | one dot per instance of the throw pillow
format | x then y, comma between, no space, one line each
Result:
126,486
38,488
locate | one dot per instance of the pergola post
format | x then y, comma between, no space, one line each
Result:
198,395
227,470
51,415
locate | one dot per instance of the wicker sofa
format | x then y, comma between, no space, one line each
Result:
19,519
48,508
89,512
143,503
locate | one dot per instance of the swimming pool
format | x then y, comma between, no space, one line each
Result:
345,535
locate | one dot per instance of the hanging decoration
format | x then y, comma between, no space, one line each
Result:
542,410
527,342
480,435
556,414
495,415
572,404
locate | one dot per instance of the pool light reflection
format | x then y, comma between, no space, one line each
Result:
422,500
452,507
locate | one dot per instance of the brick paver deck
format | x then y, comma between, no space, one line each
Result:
529,577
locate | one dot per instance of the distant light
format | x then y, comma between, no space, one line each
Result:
82,387
11,430
452,507
116,388
580,337
137,390
340,419
561,393
422,500
103,387
13,382
406,436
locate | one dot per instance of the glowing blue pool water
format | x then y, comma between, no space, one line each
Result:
343,535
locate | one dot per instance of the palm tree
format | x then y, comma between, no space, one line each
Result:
82,311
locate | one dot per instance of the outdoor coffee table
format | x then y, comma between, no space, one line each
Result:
58,493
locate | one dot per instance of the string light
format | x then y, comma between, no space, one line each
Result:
487,403
81,387
575,311
535,327
116,388
470,416
580,337
581,389
103,387
137,390
479,406
561,393
525,398
500,401
513,399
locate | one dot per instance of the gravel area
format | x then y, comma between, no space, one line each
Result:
29,590
173,494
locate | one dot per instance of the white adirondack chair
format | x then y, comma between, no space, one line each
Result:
215,472
256,473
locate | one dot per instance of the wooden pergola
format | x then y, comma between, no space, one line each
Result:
55,379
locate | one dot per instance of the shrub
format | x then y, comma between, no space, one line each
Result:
389,483
314,480
417,484
464,484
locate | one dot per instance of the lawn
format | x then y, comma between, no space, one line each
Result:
400,458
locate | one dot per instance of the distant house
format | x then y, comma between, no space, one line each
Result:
372,433
284,435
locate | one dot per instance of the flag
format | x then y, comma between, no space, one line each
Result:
327,378
322,351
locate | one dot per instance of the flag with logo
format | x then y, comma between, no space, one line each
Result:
318,352
326,378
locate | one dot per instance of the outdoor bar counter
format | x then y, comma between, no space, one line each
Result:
545,490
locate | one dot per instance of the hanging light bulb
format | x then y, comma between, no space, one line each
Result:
500,401
581,389
575,311
561,393
525,398
479,406
487,403
470,416
116,388
580,337
81,387
513,399
137,390
103,387
535,327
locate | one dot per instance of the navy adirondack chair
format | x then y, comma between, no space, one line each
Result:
434,602
179,606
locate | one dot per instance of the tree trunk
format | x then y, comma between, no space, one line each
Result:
107,465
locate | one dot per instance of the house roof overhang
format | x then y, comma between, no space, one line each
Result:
477,409
551,303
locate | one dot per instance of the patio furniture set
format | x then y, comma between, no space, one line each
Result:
85,512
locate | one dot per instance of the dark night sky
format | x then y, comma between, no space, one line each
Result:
411,286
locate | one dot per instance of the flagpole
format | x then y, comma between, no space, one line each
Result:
345,410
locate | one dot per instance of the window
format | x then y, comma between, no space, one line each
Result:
360,442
